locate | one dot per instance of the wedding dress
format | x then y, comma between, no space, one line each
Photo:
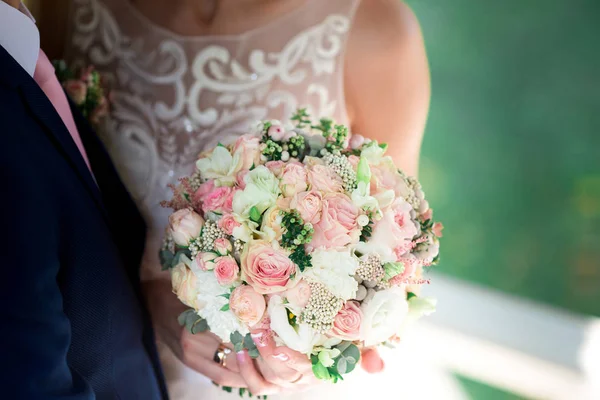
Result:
174,96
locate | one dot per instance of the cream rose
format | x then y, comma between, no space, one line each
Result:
383,316
248,148
248,305
184,285
309,205
267,269
185,225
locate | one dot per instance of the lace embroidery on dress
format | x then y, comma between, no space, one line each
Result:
174,96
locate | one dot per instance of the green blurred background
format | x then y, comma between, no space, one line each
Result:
511,157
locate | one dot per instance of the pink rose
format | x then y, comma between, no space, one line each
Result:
77,91
337,226
240,179
356,141
248,146
276,167
276,132
228,223
324,179
206,260
308,204
218,200
248,305
385,176
299,295
185,225
226,270
223,246
267,269
293,179
402,218
346,324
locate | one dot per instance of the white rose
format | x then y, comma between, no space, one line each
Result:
335,270
261,191
220,165
302,339
383,316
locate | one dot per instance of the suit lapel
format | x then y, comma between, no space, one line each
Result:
12,75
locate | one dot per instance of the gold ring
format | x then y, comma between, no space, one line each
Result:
221,354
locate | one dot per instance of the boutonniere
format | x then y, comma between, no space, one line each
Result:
86,89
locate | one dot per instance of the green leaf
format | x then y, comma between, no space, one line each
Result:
225,307
242,391
363,172
410,295
226,295
182,318
384,146
177,257
253,353
255,214
166,259
199,326
341,365
321,372
351,355
237,340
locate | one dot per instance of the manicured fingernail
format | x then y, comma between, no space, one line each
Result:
281,357
241,356
260,338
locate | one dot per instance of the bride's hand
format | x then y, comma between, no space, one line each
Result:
198,352
281,368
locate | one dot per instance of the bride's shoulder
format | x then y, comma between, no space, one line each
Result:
384,27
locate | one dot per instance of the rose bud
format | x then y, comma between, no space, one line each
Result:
206,261
356,141
185,225
223,246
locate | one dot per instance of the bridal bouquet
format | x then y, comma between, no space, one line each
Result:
307,232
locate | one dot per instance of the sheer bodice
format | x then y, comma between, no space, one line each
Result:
174,96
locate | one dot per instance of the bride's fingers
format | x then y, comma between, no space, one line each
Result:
256,384
205,345
294,360
270,375
277,362
215,372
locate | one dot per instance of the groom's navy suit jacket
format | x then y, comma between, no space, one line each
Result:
73,322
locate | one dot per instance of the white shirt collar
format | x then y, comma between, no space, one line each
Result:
19,35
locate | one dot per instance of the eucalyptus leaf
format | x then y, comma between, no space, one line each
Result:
253,353
166,259
351,355
199,326
182,318
341,365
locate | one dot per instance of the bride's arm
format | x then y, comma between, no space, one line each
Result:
387,79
